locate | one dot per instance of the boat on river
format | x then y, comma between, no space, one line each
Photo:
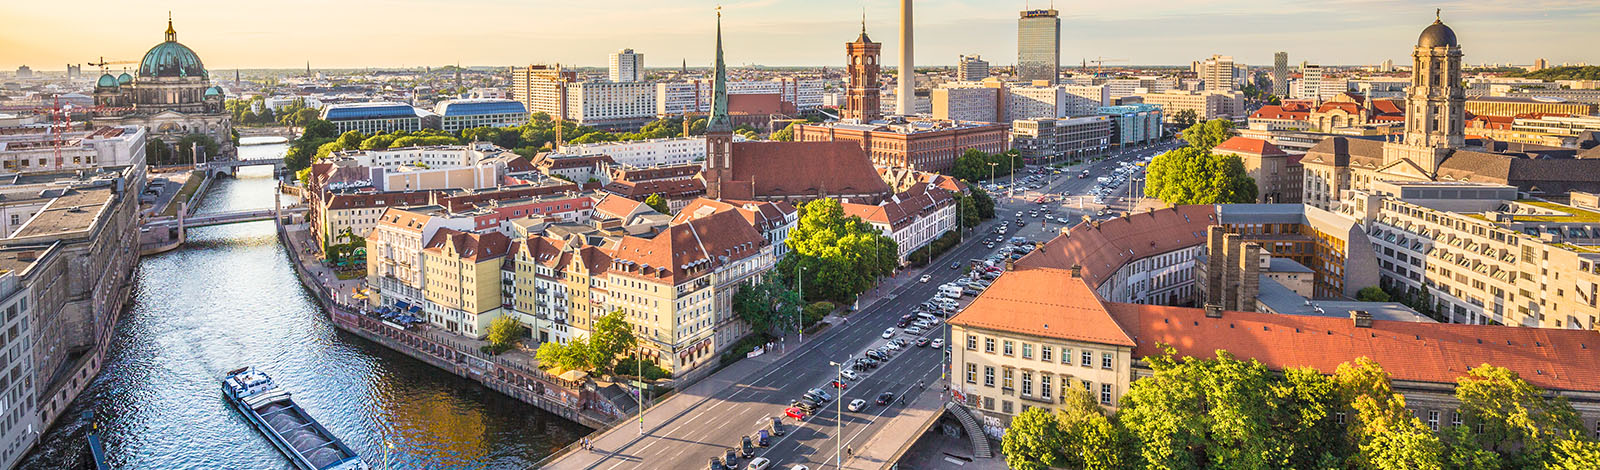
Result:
270,409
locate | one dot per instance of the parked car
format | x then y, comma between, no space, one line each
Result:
777,426
847,375
759,463
938,343
795,413
840,384
888,333
716,464
763,438
924,278
914,331
731,459
747,448
885,398
922,342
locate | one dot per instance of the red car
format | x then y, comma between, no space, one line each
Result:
795,413
840,385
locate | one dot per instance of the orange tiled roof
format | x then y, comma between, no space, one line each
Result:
1103,248
1045,302
1250,146
1421,352
687,250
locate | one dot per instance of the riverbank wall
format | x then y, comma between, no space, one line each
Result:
576,402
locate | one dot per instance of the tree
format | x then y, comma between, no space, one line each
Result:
1034,441
316,129
1515,418
838,257
1193,175
502,331
655,201
575,355
612,336
982,201
1372,294
186,146
1207,135
768,304
784,135
351,140
969,211
973,164
1185,118
1574,452
157,152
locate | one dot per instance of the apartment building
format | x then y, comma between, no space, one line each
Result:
458,115
913,218
1482,255
1206,105
461,280
625,66
374,117
1034,102
394,253
611,104
1134,124
694,96
542,88
1146,257
967,102
1277,174
773,219
1514,106
972,68
646,153
1220,73
1073,139
1039,333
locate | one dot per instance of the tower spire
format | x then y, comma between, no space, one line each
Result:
719,87
172,34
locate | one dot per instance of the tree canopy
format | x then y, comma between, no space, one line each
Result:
1226,413
837,257
769,305
655,201
1192,175
1570,72
1208,135
973,165
1185,117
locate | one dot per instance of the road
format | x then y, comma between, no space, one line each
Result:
710,429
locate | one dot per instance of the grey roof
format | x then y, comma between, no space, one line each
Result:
1284,301
1437,35
1286,265
1261,213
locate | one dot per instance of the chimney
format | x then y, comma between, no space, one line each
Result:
1214,264
1213,310
1250,278
1011,265
1362,318
1077,271
1231,247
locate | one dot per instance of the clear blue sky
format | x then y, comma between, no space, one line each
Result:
392,33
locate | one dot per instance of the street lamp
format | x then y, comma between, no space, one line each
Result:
799,317
838,420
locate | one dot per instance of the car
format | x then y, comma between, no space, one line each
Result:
893,345
747,448
901,342
799,467
716,464
924,278
955,264
1019,214
914,331
885,398
888,333
857,404
902,323
795,413
988,245
774,422
922,342
840,384
847,375
804,405
759,463
731,459
938,342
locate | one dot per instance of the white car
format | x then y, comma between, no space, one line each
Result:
888,333
848,374
938,343
925,278
799,467
857,405
759,463
893,346
914,331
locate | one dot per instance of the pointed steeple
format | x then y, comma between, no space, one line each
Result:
719,88
172,34
863,38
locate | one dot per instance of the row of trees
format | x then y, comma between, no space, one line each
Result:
1571,72
294,114
1224,413
1194,175
835,256
973,165
608,341
159,152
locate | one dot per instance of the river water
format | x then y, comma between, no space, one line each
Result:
229,298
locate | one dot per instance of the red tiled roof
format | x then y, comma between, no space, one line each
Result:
687,250
763,215
670,189
470,246
1103,248
1281,112
804,169
1554,359
617,206
1250,146
1045,302
372,200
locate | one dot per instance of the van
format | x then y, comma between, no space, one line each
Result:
950,291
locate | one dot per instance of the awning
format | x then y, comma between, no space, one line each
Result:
416,309
401,304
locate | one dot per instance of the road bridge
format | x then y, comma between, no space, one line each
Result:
231,167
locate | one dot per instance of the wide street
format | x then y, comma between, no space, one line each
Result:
690,438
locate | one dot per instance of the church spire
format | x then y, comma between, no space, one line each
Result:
172,34
719,88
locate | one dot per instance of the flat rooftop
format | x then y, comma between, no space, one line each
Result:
74,211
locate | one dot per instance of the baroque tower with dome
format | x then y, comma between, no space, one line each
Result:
172,96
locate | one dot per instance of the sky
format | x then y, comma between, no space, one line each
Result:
411,33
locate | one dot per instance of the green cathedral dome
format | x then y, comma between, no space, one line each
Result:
171,59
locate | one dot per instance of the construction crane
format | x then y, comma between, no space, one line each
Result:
1099,63
103,63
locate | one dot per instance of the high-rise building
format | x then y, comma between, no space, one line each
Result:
1310,84
905,96
627,66
972,68
1039,45
1219,72
1280,74
861,98
1540,64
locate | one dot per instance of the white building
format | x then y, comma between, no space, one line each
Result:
966,101
610,103
694,96
647,153
913,218
972,68
1049,102
1220,72
626,66
277,103
456,115
1205,104
32,148
425,168
394,253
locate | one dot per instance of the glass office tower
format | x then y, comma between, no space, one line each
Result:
1039,45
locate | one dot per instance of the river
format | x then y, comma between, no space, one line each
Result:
229,298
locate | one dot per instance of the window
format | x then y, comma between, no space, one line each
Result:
1005,406
1105,360
988,376
1433,420
1455,420
972,342
1088,386
1044,388
1027,383
1066,356
1044,353
1088,359
972,373
988,403
1105,394
1027,351
988,345
1006,380
1008,346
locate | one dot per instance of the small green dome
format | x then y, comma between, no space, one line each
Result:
106,81
124,79
213,91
